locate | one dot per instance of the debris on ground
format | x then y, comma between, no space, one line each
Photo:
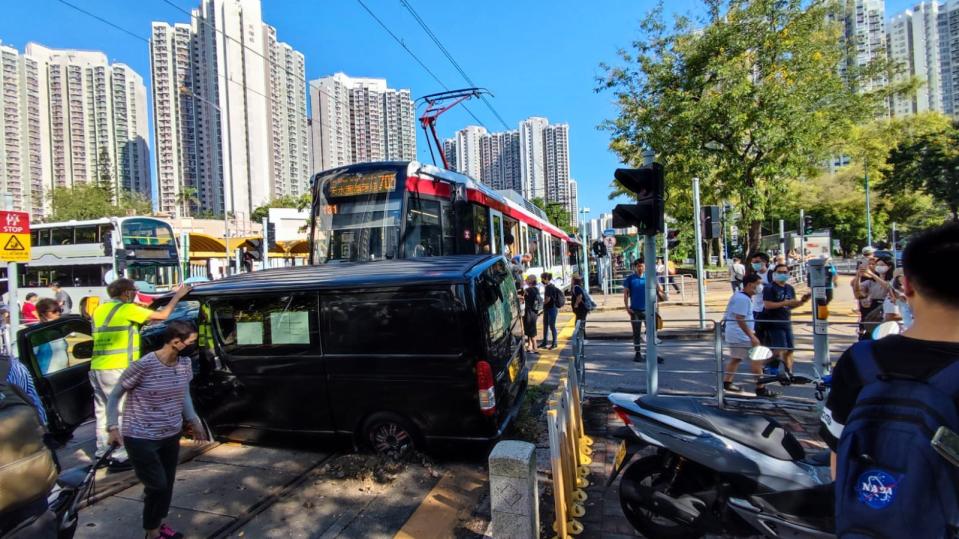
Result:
530,425
375,468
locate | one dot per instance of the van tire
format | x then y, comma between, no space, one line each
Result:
389,434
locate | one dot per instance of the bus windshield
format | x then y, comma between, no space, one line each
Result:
357,217
158,276
145,232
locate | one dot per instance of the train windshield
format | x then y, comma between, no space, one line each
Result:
357,217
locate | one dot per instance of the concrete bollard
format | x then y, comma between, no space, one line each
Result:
514,496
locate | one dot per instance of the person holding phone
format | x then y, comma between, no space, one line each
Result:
779,299
157,389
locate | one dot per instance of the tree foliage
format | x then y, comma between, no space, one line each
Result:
289,201
92,201
927,163
556,213
746,99
104,175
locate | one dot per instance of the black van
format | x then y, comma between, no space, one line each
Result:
393,353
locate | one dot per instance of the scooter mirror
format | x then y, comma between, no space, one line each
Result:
886,329
760,353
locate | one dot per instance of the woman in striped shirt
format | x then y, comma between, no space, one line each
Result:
157,389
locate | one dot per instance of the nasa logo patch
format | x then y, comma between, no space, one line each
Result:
876,488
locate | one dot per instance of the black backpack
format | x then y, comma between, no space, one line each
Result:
27,468
559,298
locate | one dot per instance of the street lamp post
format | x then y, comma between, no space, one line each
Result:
229,149
584,212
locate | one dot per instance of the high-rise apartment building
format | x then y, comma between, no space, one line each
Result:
949,56
357,120
533,160
532,156
229,105
69,117
501,167
864,36
573,206
914,46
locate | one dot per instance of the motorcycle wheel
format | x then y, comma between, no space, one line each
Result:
649,472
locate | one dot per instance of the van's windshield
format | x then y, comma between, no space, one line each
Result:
497,297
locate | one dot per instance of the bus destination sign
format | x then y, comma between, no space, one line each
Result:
366,184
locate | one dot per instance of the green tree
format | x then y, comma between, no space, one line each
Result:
104,173
556,213
91,201
300,202
187,199
927,163
746,100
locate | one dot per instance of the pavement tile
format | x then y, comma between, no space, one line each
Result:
121,518
219,488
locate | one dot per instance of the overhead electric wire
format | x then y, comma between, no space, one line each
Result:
449,57
415,57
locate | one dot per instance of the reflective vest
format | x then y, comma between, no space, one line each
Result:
116,334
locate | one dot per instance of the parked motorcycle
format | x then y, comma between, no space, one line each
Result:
717,471
62,515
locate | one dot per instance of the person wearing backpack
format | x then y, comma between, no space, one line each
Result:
888,398
553,301
581,301
28,469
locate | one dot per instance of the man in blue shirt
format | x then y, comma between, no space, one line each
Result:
20,377
634,297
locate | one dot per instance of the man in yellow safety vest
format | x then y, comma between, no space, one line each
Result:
116,343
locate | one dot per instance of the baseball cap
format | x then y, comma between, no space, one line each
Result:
868,250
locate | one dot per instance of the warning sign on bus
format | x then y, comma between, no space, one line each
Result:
14,236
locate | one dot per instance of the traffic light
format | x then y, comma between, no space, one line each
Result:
807,224
649,185
672,239
271,234
712,224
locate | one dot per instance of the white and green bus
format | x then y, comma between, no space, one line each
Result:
84,256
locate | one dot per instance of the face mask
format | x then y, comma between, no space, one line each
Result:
757,266
881,270
780,277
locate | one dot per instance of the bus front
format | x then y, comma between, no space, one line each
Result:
151,253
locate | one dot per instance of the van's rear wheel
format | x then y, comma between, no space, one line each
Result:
389,435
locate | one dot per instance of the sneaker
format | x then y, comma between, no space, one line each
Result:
542,344
119,465
553,347
169,533
763,392
660,360
729,386
638,358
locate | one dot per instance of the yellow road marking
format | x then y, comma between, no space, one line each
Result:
458,491
547,358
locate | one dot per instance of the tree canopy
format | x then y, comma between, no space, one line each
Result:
927,163
93,201
745,99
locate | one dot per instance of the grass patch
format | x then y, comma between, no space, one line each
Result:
529,425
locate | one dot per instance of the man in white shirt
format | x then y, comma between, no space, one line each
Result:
739,334
736,273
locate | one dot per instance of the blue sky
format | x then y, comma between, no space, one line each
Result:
539,58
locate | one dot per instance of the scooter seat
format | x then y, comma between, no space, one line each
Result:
764,434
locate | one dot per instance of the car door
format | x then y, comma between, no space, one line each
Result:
268,358
58,355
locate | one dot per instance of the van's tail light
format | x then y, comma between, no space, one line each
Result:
623,414
485,389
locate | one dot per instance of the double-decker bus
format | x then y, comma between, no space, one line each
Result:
403,209
83,256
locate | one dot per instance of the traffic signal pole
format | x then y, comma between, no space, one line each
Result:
700,271
666,257
649,254
802,242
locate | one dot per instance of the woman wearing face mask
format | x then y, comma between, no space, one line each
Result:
758,265
157,392
871,284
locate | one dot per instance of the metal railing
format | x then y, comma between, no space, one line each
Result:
712,337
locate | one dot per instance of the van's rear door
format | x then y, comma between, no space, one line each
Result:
498,303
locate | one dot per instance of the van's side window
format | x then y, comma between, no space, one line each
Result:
414,322
252,325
